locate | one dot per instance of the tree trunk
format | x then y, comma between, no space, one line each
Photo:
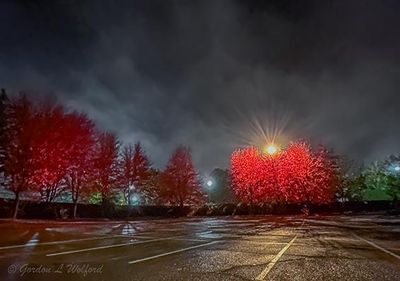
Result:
180,201
129,198
15,213
251,202
75,208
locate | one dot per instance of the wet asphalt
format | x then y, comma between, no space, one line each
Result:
224,248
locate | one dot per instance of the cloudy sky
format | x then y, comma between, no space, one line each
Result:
215,75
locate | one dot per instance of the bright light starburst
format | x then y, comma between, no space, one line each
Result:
271,149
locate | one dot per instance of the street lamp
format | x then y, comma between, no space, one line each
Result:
271,149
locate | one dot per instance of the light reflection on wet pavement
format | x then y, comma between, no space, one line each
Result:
231,248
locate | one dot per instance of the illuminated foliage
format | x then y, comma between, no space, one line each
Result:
135,170
48,151
106,169
52,150
19,160
296,174
79,174
253,175
179,181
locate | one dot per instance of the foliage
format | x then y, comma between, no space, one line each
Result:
135,170
19,162
355,187
296,174
382,179
53,142
180,183
95,198
106,170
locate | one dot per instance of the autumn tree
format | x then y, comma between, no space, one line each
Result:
19,151
79,174
248,185
180,182
325,178
53,152
297,174
152,192
135,170
106,168
255,175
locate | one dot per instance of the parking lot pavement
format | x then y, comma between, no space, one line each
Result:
235,248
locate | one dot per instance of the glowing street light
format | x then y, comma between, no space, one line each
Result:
135,199
271,149
209,183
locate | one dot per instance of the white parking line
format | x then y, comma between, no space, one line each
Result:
134,236
191,239
276,243
107,247
377,246
29,244
173,252
264,273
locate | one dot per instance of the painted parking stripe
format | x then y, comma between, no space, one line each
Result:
173,252
277,243
264,273
377,246
29,244
107,247
152,237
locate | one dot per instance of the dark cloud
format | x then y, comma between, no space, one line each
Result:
214,74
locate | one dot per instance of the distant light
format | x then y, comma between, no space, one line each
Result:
272,149
209,183
397,168
135,200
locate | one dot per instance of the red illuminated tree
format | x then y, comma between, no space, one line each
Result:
295,175
135,170
248,184
19,150
47,150
153,188
53,150
106,169
327,176
254,175
295,172
180,182
79,174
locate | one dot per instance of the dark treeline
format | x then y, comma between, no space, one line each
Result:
51,153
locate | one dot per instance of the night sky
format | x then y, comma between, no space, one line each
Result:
215,75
